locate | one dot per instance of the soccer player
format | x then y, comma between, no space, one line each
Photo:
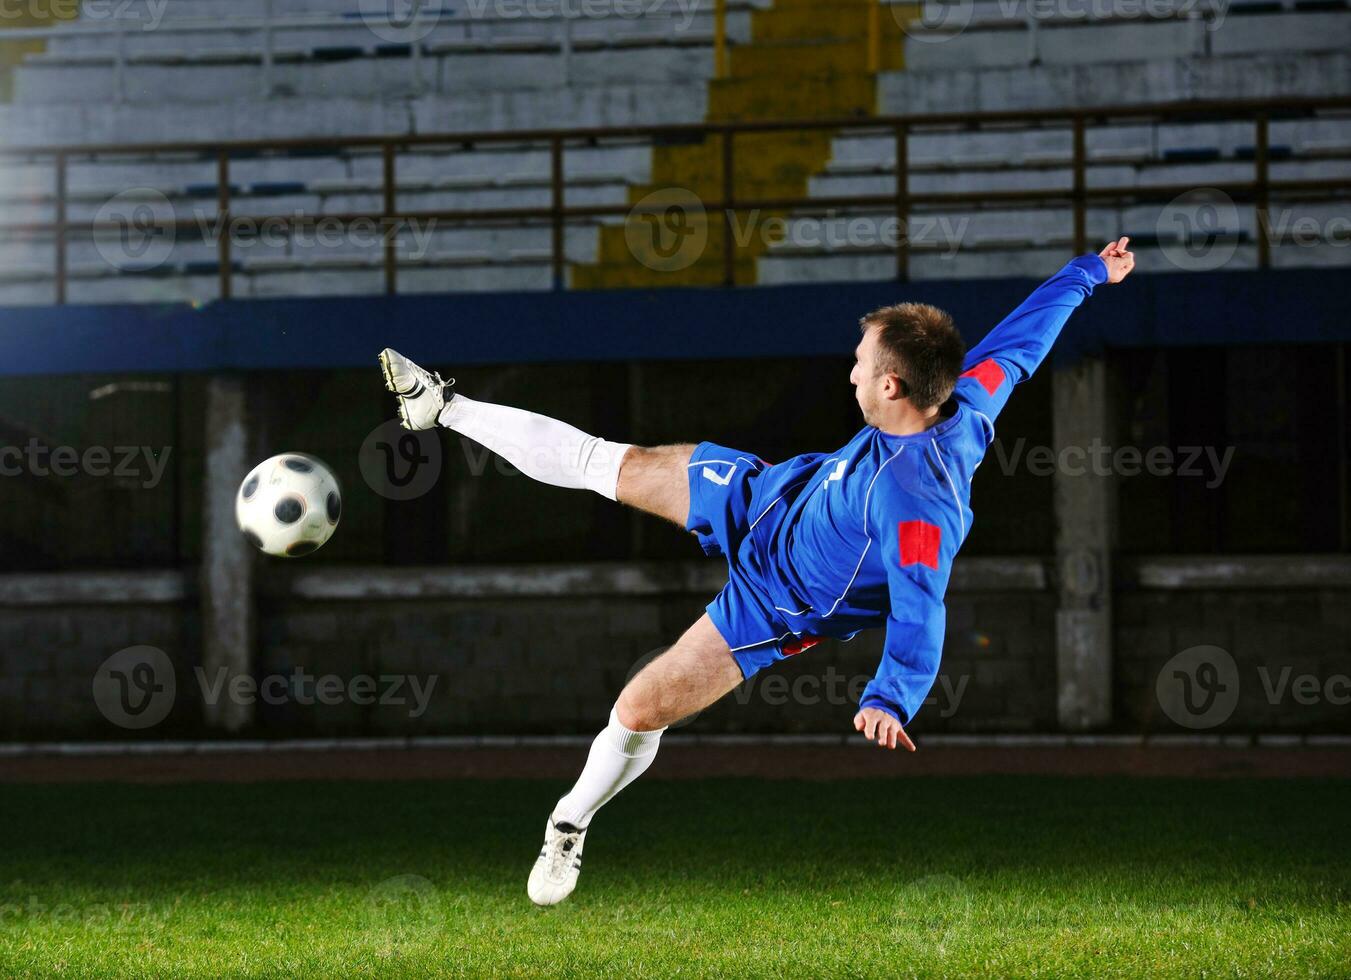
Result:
822,545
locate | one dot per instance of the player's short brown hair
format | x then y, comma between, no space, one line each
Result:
920,344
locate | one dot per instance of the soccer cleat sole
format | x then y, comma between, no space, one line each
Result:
384,369
389,386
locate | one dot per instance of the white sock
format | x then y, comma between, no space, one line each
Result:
542,448
618,757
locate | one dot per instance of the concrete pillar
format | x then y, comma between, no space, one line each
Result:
1085,522
228,615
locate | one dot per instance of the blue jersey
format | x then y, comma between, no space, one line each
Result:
832,543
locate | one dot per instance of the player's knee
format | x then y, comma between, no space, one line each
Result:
657,458
637,713
653,479
635,459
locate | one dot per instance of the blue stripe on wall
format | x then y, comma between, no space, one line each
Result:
1173,309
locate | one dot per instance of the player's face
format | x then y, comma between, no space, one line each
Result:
866,378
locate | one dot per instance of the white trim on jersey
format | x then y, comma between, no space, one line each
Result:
956,499
866,497
752,463
772,639
765,511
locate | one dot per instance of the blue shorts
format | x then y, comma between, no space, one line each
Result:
722,482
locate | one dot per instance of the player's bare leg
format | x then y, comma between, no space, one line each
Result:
656,480
687,678
684,680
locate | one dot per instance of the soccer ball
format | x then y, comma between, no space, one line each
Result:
289,505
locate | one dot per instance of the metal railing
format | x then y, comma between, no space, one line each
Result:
900,202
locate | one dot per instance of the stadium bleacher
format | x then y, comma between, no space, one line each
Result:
1001,241
313,68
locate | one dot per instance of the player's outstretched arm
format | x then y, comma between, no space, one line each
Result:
916,554
1013,350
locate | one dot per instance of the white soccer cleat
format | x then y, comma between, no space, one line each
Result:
554,875
421,393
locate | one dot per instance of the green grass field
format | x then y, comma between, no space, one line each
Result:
918,877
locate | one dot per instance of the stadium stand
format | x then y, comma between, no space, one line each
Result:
993,57
283,71
327,75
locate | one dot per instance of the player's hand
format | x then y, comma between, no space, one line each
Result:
878,726
1119,262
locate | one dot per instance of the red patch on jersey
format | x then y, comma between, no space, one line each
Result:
797,646
989,374
920,543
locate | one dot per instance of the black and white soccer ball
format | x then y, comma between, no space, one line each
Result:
289,505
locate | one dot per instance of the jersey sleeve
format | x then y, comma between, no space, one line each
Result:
1017,346
917,553
909,661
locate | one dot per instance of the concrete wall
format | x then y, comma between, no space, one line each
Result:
1006,662
421,588
49,656
511,655
1288,657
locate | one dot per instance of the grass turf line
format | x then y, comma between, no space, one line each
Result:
998,876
